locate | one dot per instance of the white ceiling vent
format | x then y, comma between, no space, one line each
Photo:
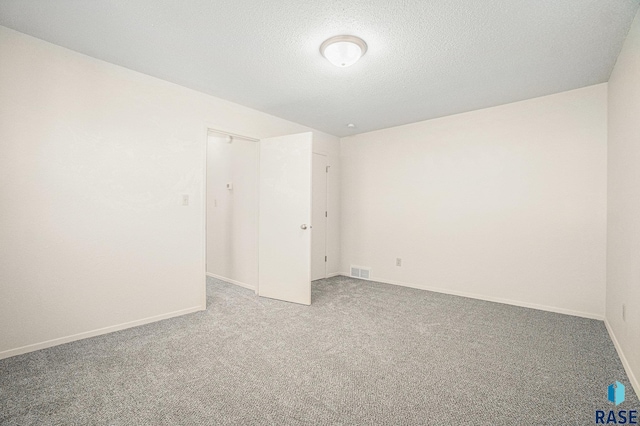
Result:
360,272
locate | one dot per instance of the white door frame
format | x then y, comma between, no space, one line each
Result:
326,207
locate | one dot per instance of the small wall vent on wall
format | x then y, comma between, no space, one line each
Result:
360,272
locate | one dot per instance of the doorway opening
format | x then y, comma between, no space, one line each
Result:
232,209
258,213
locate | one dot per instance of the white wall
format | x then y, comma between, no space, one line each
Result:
505,204
232,215
94,159
623,242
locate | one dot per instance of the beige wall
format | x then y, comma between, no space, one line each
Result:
94,160
623,242
505,204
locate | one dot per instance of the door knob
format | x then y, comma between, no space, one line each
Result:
303,226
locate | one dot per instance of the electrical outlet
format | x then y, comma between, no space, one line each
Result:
185,199
398,261
624,312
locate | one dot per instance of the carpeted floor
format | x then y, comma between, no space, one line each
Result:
362,353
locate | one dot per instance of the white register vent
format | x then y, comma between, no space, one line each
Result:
360,272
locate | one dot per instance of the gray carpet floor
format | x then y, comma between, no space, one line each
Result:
362,353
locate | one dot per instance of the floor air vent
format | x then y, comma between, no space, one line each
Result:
360,272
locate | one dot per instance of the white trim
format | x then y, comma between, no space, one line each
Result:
257,240
203,200
334,274
230,281
105,330
326,209
233,135
488,299
625,363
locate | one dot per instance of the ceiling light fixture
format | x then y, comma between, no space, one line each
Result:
343,50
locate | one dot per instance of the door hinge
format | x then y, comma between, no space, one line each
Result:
325,258
325,214
327,170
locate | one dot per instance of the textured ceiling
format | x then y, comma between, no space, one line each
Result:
426,59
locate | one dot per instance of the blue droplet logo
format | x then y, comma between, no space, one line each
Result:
615,393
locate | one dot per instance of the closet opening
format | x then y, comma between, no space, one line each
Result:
232,180
266,213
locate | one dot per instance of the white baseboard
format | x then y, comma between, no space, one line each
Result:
625,363
230,281
334,274
84,335
489,299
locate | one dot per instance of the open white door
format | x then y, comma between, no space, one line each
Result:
285,218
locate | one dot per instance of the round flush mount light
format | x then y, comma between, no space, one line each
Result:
343,50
